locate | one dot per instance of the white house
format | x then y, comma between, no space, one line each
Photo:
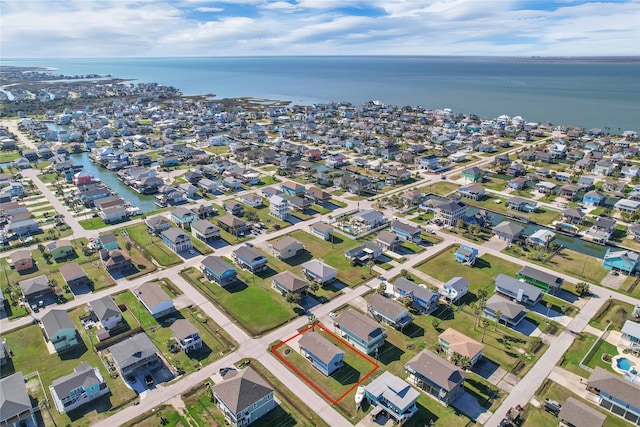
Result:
454,289
154,299
84,385
279,207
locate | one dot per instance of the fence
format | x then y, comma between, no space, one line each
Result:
589,354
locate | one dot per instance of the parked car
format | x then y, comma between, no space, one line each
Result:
148,379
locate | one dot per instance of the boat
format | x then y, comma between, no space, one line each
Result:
565,228
359,395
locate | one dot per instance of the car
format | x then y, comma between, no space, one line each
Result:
333,315
431,231
148,379
615,273
34,308
192,252
249,244
443,177
131,379
382,278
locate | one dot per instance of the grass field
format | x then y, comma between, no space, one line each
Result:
441,188
152,245
614,311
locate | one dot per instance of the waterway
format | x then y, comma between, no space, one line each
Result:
146,203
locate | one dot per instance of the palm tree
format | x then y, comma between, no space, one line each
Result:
548,304
498,316
485,323
477,311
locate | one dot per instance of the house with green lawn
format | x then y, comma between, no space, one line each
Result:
360,331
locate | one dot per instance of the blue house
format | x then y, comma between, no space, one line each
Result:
625,261
466,254
218,271
406,231
393,396
170,161
593,198
248,259
322,353
422,298
615,394
360,331
293,188
108,241
183,216
522,292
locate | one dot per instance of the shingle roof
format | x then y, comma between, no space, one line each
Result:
509,309
359,325
576,413
410,287
541,276
514,285
393,389
202,225
182,328
55,320
615,386
132,350
319,268
460,343
14,398
436,369
71,271
290,281
104,307
34,285
319,346
174,233
83,376
242,390
216,264
386,237
284,243
508,228
388,307
151,294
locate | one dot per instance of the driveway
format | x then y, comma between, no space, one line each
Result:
490,371
307,302
526,328
468,405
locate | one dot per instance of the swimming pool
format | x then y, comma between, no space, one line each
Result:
623,363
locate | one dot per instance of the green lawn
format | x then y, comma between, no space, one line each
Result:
92,224
256,309
595,358
441,188
152,245
9,156
572,357
163,415
614,311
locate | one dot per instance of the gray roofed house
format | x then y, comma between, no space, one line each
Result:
286,282
216,269
522,292
388,311
176,239
35,287
630,338
361,254
615,394
388,241
286,247
392,395
186,335
136,352
360,331
155,299
60,330
511,313
243,397
232,224
78,388
322,230
436,376
15,403
454,289
574,413
73,274
449,211
508,231
423,298
157,224
549,283
318,271
205,230
325,356
106,312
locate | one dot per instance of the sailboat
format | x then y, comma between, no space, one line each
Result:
359,395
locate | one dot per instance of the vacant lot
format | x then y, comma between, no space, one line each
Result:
153,245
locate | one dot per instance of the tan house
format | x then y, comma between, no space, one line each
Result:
286,247
453,341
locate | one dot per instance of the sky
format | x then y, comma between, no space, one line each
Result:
164,28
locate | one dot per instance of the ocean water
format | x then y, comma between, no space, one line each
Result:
590,93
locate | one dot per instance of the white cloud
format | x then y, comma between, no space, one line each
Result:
209,9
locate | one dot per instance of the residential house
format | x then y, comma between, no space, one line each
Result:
279,208
233,207
516,169
449,211
157,224
547,282
217,270
249,259
393,396
205,230
472,191
466,255
233,225
412,198
569,191
519,183
270,191
440,379
388,241
73,274
134,354
546,187
541,237
521,204
113,214
243,397
623,260
183,217
318,196
388,311
319,272
16,409
325,356
336,160
421,297
593,198
321,230
23,227
364,253
604,168
511,314
630,338
176,239
21,260
291,188
84,385
508,231
627,206
601,230
287,282
108,241
574,413
522,292
572,216
252,199
186,335
154,299
60,331
286,248
452,342
5,352
106,312
360,331
615,394
35,287
61,249
117,260
452,291
406,231
473,174
368,220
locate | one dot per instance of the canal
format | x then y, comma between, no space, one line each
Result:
146,203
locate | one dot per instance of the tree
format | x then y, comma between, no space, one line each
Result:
474,229
498,316
477,311
460,224
127,246
485,323
252,216
435,323
482,294
548,304
407,302
583,288
382,288
292,298
313,287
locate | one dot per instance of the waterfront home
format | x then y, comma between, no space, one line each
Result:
233,225
154,299
466,255
569,191
116,260
35,287
593,198
21,260
243,397
252,199
134,354
627,206
439,378
360,331
60,250
321,230
546,187
522,292
106,312
572,216
452,342
336,160
368,220
630,338
73,274
16,403
113,214
547,282
541,237
205,230
393,396
406,231
60,331
249,259
574,413
298,203
188,189
604,168
521,204
615,394
317,196
421,297
286,248
508,231
287,282
108,241
209,185
449,211
473,174
22,227
454,289
176,239
633,231
186,335
279,208
388,241
183,217
623,260
233,207
217,270
322,353
291,188
84,385
601,230
429,162
511,314
388,311
319,272
473,191
362,254
519,183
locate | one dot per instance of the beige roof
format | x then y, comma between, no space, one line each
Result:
290,281
152,294
182,328
615,385
461,344
285,242
359,325
18,256
386,306
580,414
436,369
72,270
